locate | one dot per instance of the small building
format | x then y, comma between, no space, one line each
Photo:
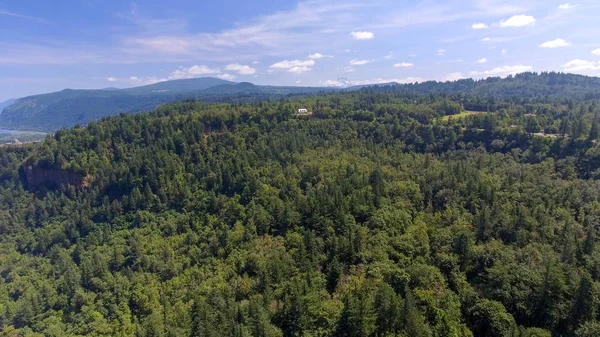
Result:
302,111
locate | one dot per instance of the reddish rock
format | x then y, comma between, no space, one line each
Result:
36,176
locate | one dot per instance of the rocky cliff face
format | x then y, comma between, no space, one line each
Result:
36,176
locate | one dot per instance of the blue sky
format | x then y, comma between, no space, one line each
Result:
50,45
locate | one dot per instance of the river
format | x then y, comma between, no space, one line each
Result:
20,132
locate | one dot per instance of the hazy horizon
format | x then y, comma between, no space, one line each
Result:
93,44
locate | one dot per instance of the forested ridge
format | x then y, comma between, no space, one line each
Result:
381,214
67,108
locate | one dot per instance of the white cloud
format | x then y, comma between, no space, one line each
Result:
596,51
389,56
298,82
503,71
485,39
193,71
255,62
518,21
342,82
452,77
578,65
331,83
359,62
318,56
504,52
178,74
558,43
21,16
403,65
479,26
241,69
441,52
483,60
388,80
136,81
299,69
201,70
364,35
566,6
170,45
293,64
227,77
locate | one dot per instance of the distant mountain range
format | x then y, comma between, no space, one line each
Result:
6,103
66,108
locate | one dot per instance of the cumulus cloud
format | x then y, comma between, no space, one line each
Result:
452,77
403,65
388,80
566,6
299,70
359,62
193,71
227,77
596,51
136,81
518,21
241,69
479,26
331,83
578,65
441,52
558,43
389,56
318,56
362,35
345,83
483,60
485,39
178,74
293,64
503,71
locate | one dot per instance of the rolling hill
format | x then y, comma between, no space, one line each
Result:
66,108
372,218
6,103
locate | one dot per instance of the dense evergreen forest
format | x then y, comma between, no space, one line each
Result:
383,213
67,108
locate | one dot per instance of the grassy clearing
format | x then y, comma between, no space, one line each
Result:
463,114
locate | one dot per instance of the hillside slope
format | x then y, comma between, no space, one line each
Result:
6,103
49,112
524,86
372,217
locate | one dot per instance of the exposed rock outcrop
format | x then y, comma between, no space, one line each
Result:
36,176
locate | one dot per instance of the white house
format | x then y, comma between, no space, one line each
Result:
302,111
